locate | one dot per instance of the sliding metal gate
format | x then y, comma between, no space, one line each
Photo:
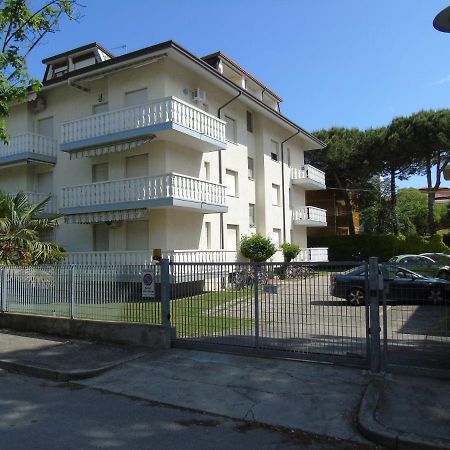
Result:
272,307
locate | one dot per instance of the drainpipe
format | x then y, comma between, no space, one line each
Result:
222,239
282,183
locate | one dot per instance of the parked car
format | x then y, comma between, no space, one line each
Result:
424,264
402,285
438,257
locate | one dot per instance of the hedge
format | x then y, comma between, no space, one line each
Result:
345,248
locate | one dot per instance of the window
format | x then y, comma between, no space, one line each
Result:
249,122
100,172
137,235
290,198
207,167
136,97
251,168
275,195
274,151
100,237
251,214
276,237
100,108
136,166
230,129
232,237
45,127
231,183
83,60
208,235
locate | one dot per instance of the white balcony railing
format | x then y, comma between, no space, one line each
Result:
309,215
202,256
36,197
171,185
29,143
308,174
312,255
125,258
168,109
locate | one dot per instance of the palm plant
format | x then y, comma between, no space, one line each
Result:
20,226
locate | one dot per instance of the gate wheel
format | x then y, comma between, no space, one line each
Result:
356,297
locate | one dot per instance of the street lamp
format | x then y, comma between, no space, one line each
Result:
442,21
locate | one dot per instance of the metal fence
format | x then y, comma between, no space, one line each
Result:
269,306
374,315
79,292
415,315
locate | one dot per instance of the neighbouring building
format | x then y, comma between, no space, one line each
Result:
442,194
332,201
158,148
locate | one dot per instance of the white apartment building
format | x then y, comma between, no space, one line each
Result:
158,148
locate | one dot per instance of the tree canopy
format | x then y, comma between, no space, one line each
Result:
355,160
22,28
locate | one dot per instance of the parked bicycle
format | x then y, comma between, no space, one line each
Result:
246,277
299,271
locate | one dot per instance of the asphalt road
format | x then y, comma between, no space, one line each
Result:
37,414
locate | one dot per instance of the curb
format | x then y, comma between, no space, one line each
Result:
369,426
60,375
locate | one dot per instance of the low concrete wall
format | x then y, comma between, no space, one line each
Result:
151,336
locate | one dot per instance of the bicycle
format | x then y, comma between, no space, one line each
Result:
299,271
246,277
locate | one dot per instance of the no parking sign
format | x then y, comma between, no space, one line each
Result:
148,285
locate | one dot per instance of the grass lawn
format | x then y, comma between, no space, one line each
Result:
207,314
201,315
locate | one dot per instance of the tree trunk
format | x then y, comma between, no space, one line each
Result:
431,195
348,205
393,190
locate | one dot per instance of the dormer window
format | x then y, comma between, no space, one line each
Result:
60,69
75,59
83,60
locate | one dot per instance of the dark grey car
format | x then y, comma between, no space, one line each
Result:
403,285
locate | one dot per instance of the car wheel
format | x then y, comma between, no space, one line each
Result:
356,297
444,275
435,296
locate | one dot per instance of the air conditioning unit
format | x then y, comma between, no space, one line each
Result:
199,95
38,105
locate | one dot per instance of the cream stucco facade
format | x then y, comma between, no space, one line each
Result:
160,149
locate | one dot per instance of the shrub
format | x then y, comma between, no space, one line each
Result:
290,251
384,246
257,248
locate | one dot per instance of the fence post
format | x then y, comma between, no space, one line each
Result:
73,291
3,290
374,315
257,268
165,292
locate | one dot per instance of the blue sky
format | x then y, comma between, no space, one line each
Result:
353,63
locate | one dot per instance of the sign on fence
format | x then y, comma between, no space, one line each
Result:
148,285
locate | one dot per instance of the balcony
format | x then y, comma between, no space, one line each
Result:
168,190
169,118
36,197
28,148
136,258
310,216
308,177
